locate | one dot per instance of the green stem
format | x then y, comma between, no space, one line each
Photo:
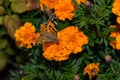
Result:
112,68
99,77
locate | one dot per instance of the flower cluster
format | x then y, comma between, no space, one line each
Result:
92,70
63,8
116,34
116,9
70,40
25,35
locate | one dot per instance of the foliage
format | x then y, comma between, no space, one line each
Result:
94,21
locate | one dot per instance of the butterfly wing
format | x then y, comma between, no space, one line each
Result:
48,31
48,37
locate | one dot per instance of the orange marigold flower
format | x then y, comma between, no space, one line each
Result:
70,41
116,9
73,38
57,52
49,3
116,43
92,70
64,9
25,35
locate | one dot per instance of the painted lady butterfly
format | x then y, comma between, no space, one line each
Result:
48,31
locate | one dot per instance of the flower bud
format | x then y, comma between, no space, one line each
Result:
88,4
49,11
108,58
21,72
76,77
32,5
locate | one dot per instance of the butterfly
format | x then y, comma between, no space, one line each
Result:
48,31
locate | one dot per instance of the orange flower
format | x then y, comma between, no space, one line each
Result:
46,45
73,38
49,3
118,19
57,52
64,9
26,35
116,9
116,43
92,70
70,39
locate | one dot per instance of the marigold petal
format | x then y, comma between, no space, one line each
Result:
118,19
116,9
49,3
116,34
64,12
77,49
25,35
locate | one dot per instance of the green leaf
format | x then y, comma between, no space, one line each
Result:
1,1
3,44
1,20
56,74
62,25
105,42
3,31
12,73
3,61
42,66
50,75
9,51
18,6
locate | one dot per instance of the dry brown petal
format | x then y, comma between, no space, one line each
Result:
2,10
32,5
11,23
